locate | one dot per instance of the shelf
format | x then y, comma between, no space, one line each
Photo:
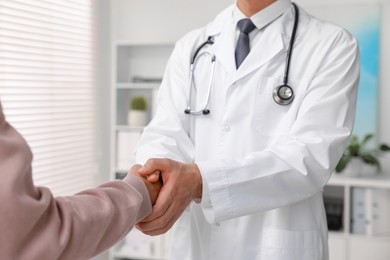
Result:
138,85
141,62
127,128
377,181
128,256
337,234
383,237
152,44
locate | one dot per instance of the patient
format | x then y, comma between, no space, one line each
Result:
34,225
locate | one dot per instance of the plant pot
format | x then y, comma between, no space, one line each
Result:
353,168
137,117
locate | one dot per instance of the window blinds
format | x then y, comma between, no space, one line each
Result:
48,87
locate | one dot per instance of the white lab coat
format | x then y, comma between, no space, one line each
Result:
263,165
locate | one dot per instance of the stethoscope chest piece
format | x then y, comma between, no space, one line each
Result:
283,95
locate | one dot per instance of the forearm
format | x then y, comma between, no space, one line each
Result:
76,227
96,219
273,178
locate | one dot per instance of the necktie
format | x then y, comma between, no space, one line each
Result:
242,49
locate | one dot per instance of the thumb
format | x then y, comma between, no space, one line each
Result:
154,177
151,166
146,170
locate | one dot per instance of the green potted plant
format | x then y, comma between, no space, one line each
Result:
358,154
137,115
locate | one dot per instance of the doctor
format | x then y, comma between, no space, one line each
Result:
244,162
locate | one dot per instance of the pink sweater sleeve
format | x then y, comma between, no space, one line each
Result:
34,225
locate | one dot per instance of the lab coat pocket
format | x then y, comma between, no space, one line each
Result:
277,244
270,118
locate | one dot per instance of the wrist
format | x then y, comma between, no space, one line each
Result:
136,183
197,182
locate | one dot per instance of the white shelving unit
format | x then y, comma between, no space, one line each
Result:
138,69
345,244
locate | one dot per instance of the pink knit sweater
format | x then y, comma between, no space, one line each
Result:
34,225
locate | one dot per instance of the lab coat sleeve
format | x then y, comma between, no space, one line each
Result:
167,135
35,225
300,163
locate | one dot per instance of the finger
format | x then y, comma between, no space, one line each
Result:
153,189
133,169
164,229
164,200
159,222
154,177
153,165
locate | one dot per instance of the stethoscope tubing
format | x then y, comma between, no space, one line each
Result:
205,109
278,98
290,47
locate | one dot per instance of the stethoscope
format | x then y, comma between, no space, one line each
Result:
283,95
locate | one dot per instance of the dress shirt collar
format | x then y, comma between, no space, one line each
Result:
264,17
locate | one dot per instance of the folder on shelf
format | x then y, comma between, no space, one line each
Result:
358,220
370,211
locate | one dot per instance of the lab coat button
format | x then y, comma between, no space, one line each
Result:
226,129
217,224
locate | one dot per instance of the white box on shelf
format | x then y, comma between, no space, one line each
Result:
137,245
126,143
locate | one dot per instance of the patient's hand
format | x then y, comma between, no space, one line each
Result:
153,182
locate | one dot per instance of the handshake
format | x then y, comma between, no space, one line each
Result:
172,186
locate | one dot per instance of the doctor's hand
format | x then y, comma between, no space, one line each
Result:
153,186
182,183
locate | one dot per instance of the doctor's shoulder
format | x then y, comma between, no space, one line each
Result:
334,32
322,31
196,37
187,44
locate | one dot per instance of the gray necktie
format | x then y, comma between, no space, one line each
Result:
242,49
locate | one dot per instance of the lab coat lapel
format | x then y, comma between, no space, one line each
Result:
225,45
273,42
224,49
223,30
270,45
